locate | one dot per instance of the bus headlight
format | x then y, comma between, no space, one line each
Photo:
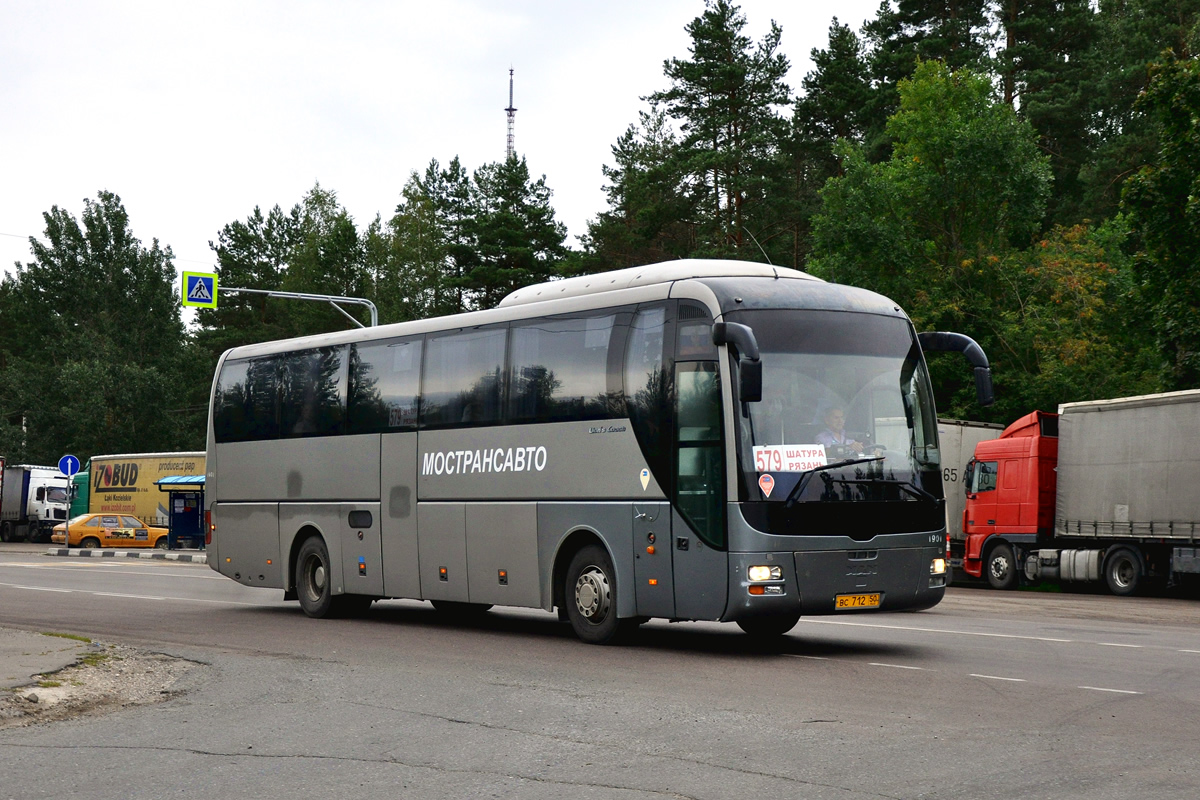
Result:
938,567
765,573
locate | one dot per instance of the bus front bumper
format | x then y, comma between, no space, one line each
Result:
835,581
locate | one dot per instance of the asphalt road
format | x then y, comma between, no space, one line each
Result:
987,695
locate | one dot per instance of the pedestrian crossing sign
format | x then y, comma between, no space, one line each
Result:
200,289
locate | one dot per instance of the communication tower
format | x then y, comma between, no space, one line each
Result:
512,116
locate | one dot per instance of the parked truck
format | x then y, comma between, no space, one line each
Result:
1107,490
956,440
125,484
32,501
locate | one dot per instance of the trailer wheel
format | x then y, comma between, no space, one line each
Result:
1123,571
6,534
1001,567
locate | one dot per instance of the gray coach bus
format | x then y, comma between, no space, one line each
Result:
648,442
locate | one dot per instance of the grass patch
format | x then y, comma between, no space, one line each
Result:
94,659
49,684
76,637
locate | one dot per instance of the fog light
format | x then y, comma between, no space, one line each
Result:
765,573
938,567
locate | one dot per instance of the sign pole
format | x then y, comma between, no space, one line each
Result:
68,465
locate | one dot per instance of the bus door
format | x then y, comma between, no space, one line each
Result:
698,529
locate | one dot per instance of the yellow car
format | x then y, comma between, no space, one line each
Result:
110,530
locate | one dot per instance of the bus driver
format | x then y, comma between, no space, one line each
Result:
835,431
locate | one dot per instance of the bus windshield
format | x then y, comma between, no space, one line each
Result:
847,412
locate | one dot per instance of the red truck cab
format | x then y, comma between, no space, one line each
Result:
1010,485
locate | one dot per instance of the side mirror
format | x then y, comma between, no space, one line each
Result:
946,342
749,380
741,338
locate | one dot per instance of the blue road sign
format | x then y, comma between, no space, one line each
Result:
199,289
68,465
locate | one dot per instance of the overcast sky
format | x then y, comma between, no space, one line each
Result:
195,113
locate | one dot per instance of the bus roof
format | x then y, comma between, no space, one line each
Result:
648,275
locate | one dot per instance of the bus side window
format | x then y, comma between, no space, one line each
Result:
312,392
559,369
464,378
385,380
648,390
246,403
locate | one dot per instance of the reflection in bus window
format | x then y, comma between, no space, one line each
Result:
463,378
559,370
384,384
312,385
245,401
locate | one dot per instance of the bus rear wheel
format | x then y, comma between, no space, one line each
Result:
590,593
768,627
313,577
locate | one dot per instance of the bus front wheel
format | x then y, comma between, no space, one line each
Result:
591,597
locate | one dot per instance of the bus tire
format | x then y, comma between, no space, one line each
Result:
314,578
1000,567
90,543
768,627
1122,571
590,594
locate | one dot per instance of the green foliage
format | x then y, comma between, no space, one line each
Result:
944,227
1162,200
94,345
965,181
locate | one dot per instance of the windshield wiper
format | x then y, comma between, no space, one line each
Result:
906,486
845,462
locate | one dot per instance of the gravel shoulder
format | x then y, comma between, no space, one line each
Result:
107,678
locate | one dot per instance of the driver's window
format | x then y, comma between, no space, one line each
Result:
984,477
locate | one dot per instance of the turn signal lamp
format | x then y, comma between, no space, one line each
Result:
765,573
938,567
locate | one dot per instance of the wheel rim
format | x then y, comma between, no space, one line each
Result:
999,567
593,596
1123,573
314,577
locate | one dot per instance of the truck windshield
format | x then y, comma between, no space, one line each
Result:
847,412
55,495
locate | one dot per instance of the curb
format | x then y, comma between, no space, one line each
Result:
153,555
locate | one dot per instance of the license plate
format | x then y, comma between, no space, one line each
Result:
857,601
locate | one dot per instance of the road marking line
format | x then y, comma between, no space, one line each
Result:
811,658
184,599
998,678
36,588
1189,651
1114,644
894,666
1114,691
933,630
